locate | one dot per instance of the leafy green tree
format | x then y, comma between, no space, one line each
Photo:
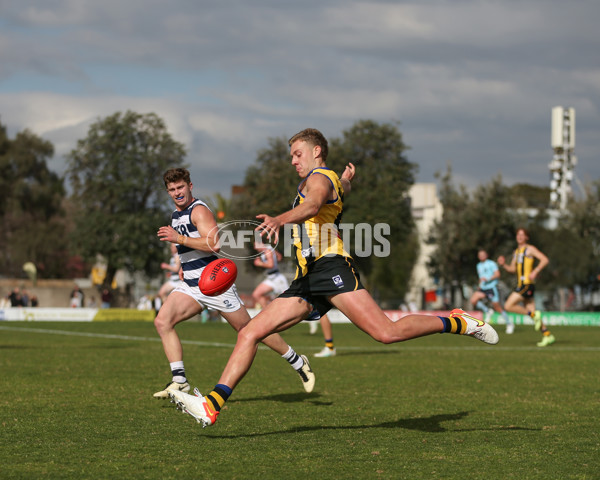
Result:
116,177
534,196
380,196
450,262
575,252
32,223
486,218
269,185
220,206
489,216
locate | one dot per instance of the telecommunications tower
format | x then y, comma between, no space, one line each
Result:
563,162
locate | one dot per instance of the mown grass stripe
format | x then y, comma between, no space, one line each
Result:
387,348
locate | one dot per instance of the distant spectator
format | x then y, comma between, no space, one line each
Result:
24,298
145,303
106,298
77,297
34,301
15,298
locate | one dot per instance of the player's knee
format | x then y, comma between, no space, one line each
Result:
385,335
386,339
161,323
394,332
247,335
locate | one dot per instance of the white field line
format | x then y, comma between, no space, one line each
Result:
399,348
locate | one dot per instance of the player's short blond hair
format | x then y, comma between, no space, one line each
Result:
313,137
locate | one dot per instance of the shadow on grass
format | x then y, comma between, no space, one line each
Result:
367,352
433,424
287,398
312,398
426,424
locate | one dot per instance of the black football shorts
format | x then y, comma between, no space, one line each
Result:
326,277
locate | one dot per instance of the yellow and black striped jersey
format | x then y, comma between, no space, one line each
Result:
524,263
319,236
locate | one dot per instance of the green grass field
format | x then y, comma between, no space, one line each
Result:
77,403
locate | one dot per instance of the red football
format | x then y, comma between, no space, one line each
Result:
217,277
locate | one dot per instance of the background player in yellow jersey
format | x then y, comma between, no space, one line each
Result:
325,278
522,264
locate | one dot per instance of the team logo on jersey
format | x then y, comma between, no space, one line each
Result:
338,281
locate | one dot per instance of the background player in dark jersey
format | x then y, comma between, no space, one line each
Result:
521,300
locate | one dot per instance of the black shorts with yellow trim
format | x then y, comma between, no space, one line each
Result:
326,277
526,291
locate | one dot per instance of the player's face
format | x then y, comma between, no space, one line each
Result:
522,237
181,193
482,255
303,157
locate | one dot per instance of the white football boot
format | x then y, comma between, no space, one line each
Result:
195,406
326,352
164,393
476,328
307,375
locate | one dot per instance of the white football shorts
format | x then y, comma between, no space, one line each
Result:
226,302
277,282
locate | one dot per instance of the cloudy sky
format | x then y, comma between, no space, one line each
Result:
472,83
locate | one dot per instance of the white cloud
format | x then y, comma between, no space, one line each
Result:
472,82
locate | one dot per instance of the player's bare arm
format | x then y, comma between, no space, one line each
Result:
171,268
510,268
347,177
542,262
205,222
268,262
317,190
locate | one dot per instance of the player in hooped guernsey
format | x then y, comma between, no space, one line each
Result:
192,261
274,282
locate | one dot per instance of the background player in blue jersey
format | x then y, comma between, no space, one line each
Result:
489,274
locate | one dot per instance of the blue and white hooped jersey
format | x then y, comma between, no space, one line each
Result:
486,269
275,268
174,277
192,261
